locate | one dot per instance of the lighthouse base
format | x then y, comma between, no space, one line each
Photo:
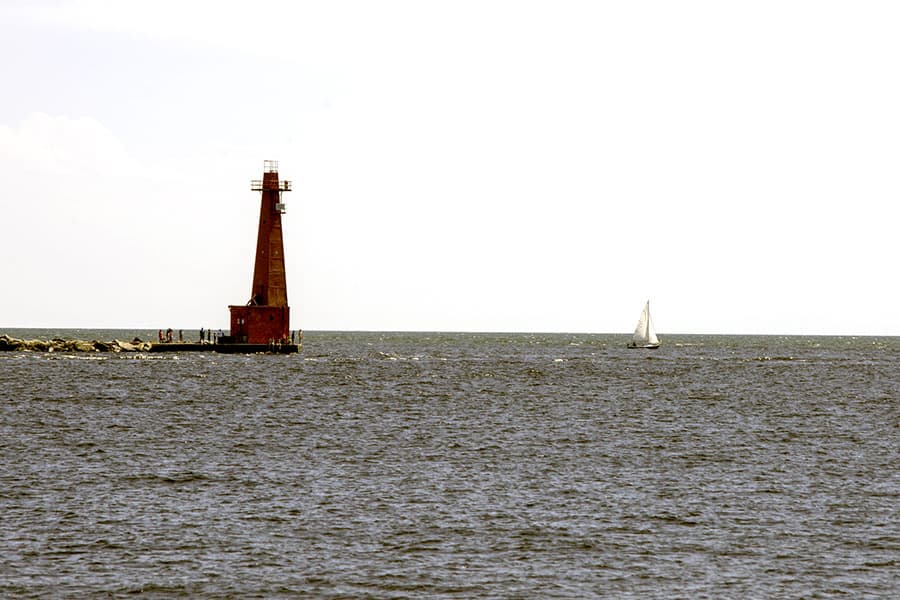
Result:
260,324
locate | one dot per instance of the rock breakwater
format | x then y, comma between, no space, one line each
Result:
60,345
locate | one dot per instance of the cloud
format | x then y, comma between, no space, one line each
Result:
64,145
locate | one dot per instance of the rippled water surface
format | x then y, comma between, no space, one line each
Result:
456,466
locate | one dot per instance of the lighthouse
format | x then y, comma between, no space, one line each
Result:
265,318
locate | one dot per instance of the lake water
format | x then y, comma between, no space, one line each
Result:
391,465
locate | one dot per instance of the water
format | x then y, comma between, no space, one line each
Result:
455,466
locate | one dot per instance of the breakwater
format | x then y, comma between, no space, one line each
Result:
8,343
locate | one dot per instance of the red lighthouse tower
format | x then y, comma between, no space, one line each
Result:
265,318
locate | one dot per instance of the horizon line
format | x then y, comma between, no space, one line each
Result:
478,332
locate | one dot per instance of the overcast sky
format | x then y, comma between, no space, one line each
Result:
464,166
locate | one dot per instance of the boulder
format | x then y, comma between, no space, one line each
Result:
37,345
136,346
8,343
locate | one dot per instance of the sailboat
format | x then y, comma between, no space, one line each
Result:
644,335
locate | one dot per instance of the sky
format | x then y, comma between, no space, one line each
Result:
489,165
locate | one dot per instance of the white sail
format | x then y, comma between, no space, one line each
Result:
652,340
644,334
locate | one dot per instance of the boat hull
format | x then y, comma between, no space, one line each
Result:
644,346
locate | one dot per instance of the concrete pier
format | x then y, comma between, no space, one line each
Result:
226,348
